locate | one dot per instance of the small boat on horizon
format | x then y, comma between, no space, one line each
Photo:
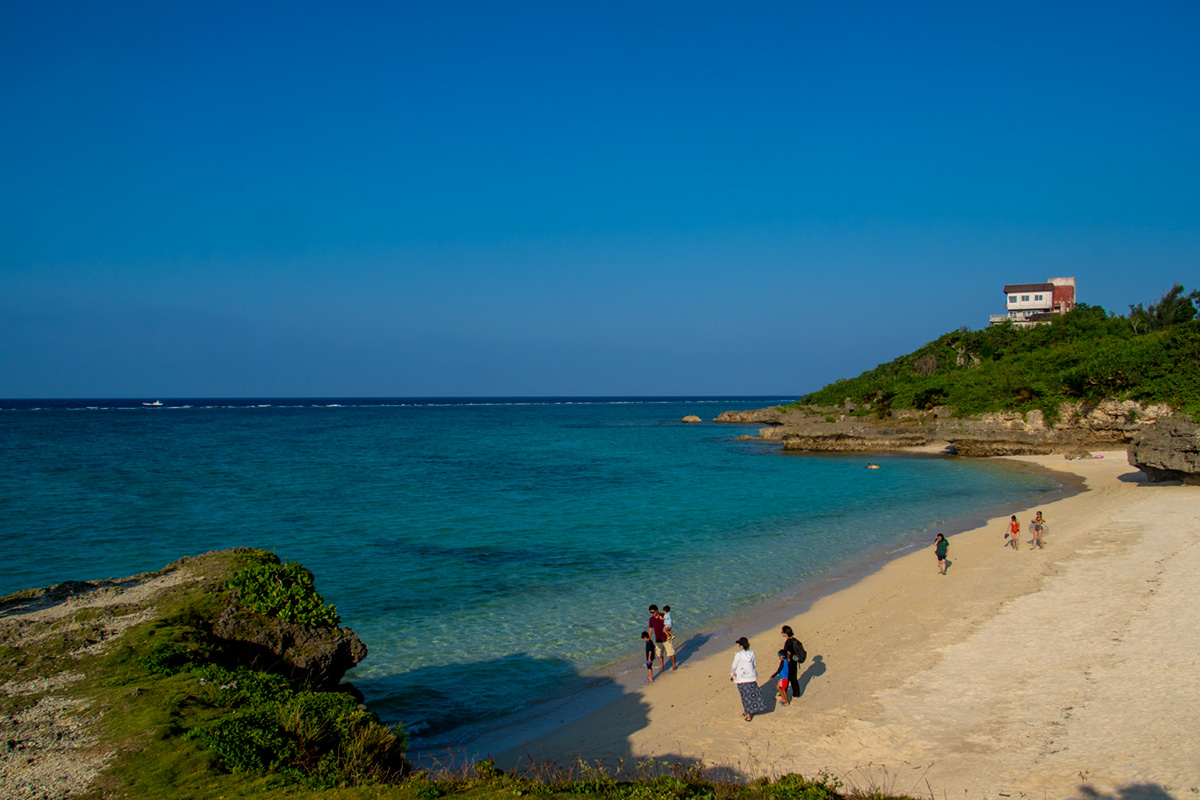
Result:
155,403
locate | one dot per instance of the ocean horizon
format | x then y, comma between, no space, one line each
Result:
493,553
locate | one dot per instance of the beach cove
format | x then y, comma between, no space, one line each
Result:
516,538
1060,671
1054,672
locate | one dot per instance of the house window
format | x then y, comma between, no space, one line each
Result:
1037,297
1012,298
1024,298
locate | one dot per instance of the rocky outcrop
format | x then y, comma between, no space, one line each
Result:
982,448
318,657
691,418
1116,420
848,429
851,443
1168,450
760,416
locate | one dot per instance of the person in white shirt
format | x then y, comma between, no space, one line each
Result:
744,672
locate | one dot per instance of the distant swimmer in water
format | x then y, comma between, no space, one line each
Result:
872,466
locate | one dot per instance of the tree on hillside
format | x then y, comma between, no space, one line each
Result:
1172,308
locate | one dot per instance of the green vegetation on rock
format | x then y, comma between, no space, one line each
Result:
179,710
1086,356
284,591
162,707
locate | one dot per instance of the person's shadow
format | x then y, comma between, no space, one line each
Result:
688,649
815,669
949,564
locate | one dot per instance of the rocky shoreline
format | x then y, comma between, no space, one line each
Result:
851,429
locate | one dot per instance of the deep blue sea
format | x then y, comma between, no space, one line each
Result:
491,553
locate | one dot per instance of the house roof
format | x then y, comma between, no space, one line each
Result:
1028,287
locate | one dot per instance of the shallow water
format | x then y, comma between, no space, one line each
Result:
490,553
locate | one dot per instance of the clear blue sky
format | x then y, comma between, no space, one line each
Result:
560,198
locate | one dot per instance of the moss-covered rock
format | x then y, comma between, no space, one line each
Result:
166,685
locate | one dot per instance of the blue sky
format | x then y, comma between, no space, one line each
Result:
453,198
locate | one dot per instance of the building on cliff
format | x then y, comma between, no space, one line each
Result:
1036,303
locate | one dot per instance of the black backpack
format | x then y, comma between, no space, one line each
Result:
799,653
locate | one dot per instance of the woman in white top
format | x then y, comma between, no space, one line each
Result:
744,673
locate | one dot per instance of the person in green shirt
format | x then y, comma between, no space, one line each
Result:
941,547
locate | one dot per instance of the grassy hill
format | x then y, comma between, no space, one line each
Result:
1151,355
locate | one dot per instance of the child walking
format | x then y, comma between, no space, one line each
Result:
649,656
782,673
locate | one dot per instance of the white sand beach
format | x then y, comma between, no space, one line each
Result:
1067,671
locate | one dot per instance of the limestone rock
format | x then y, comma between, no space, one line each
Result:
319,657
1114,420
1168,450
772,434
1077,427
759,416
852,443
691,418
982,447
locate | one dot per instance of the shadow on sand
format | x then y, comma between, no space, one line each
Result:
689,648
1133,791
1142,480
513,738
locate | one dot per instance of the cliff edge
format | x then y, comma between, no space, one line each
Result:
210,672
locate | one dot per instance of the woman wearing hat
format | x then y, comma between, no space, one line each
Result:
744,673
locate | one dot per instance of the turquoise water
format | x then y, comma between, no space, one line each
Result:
490,553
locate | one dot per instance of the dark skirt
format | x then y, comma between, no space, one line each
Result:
752,699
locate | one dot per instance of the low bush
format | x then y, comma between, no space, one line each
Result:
285,591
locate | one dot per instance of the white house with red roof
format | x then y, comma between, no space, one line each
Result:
1036,303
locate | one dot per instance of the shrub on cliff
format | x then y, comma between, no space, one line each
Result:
197,718
284,591
1086,355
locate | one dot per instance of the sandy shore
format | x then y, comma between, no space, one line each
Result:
1041,673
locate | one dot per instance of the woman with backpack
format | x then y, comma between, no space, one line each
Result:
796,657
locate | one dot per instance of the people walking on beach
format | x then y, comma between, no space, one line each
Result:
649,656
1014,533
941,546
744,673
663,645
782,672
1037,525
796,654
